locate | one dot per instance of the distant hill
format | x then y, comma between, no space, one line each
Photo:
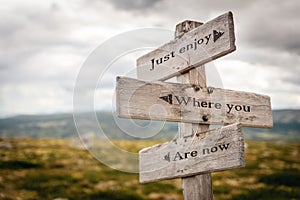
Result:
63,126
286,127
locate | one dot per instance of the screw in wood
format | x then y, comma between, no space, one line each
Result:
210,90
196,87
205,118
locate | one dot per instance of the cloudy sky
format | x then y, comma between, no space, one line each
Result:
45,44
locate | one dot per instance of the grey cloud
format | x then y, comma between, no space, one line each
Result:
31,40
259,23
134,4
35,28
266,56
272,26
286,64
36,39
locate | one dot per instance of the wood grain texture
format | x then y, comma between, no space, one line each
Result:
203,44
190,103
216,150
198,186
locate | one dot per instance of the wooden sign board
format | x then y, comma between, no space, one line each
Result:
196,47
189,103
216,150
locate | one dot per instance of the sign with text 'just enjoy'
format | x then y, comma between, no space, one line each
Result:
199,46
216,150
190,103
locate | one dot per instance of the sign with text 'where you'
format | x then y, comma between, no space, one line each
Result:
189,103
216,150
199,46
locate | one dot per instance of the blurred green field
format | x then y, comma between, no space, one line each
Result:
56,169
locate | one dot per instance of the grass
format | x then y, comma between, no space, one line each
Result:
18,164
50,169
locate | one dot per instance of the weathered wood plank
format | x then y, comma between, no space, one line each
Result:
190,103
216,150
196,47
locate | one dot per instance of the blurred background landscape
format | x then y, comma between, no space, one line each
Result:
44,48
42,158
286,127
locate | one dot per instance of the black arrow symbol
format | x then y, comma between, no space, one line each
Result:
167,98
167,157
217,35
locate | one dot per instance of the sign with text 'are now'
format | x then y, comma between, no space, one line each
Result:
216,150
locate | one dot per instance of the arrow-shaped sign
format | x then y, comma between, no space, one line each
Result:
199,46
182,103
216,150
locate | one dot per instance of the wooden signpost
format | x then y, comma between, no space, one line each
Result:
197,152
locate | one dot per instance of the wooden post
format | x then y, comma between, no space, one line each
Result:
196,187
